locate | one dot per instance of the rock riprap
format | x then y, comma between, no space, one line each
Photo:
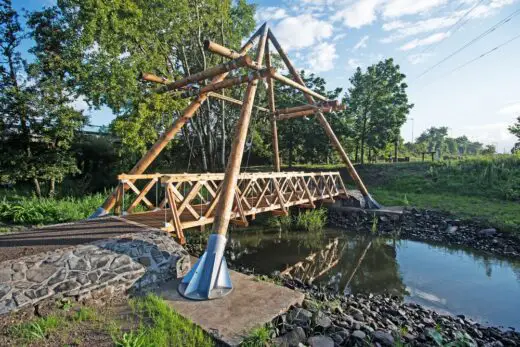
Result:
431,226
100,268
331,319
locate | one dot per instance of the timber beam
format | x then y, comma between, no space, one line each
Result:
209,73
234,101
228,53
307,112
163,80
230,82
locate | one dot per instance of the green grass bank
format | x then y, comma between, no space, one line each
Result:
487,189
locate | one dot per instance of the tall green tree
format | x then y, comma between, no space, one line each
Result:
38,122
303,140
379,104
115,41
515,130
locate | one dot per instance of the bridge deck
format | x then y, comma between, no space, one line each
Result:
195,196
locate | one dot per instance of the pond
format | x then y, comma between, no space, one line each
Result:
448,279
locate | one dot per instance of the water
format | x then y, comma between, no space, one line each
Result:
447,279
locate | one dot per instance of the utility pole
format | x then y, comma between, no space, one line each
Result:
412,128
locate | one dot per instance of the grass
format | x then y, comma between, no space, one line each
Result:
259,337
38,329
34,211
487,189
152,323
308,220
161,326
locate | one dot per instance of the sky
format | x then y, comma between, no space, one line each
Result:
440,45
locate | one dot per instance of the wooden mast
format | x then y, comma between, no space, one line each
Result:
225,203
272,108
169,134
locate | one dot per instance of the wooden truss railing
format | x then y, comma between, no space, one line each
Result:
190,200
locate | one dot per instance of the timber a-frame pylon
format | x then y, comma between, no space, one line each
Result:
209,278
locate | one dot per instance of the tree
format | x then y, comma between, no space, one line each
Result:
489,150
515,130
117,40
433,139
303,140
38,124
379,104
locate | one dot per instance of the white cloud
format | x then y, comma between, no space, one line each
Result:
491,133
486,10
322,57
264,14
424,42
354,63
339,37
510,109
80,104
301,31
396,24
406,29
398,8
418,58
358,14
361,43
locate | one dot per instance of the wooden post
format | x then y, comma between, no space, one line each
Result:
321,118
225,204
272,108
164,139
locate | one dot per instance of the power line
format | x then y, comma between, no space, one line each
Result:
484,54
485,33
432,47
476,58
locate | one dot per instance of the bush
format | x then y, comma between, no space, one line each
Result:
31,210
312,220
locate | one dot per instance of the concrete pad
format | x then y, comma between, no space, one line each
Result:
230,319
386,210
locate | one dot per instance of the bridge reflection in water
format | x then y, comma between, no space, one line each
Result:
356,264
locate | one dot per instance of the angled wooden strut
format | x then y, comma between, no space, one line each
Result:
272,108
225,203
370,202
169,134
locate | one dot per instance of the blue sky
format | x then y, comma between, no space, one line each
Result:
331,38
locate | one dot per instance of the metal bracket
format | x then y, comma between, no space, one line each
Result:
209,277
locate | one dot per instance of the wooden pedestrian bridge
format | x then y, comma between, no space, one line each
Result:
175,202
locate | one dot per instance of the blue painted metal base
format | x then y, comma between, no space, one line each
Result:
100,212
209,277
371,203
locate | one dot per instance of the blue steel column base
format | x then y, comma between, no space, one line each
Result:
100,212
371,203
209,277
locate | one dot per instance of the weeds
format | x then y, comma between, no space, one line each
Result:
162,326
259,337
375,223
312,220
38,329
84,314
25,210
130,339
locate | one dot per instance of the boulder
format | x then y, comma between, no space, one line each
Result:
384,338
291,339
320,341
